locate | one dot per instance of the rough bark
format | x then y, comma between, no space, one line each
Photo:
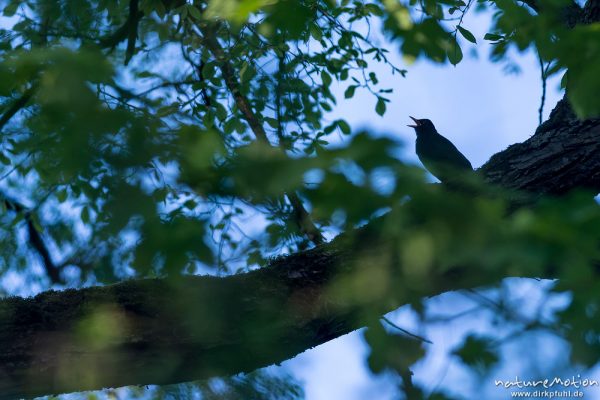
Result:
562,155
159,331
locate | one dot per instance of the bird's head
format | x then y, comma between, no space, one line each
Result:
423,126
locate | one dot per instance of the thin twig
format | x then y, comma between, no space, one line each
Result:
544,76
407,333
278,97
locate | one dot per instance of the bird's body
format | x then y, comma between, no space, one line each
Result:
437,153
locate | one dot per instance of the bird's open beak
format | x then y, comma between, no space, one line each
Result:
417,122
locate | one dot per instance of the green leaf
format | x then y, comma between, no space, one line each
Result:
454,53
563,81
326,78
229,126
3,159
221,112
349,93
61,195
493,37
582,91
190,204
477,353
315,32
380,106
11,8
374,9
272,122
329,128
373,78
194,12
344,127
85,215
466,34
390,350
344,75
326,106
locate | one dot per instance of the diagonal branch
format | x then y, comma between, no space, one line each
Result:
301,216
232,82
159,331
17,106
35,239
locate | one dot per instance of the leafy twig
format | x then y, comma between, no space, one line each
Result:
544,76
301,216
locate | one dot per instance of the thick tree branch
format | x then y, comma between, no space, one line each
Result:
591,12
571,13
561,156
157,331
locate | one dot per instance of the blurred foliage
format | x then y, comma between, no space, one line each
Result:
476,352
170,138
258,385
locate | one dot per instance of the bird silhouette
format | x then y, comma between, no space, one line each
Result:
438,154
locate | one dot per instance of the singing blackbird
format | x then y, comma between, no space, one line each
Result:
437,153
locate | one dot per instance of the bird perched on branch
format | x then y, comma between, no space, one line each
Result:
437,153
